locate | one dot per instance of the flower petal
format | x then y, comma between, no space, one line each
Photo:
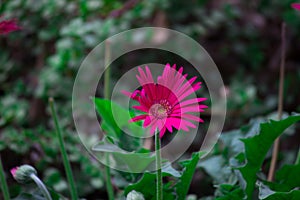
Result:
138,118
296,6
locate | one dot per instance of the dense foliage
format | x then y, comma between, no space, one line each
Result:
243,38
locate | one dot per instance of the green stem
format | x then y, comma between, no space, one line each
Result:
63,152
107,71
41,186
3,182
158,167
109,186
298,158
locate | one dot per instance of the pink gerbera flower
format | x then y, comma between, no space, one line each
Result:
7,26
165,104
296,6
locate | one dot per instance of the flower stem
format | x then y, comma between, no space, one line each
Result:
298,158
280,103
158,168
3,182
41,186
109,186
63,152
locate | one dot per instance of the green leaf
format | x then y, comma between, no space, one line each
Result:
105,109
293,195
147,186
124,159
229,192
257,147
289,175
287,178
266,193
184,182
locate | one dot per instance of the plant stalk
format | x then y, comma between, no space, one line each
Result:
298,158
159,187
280,102
109,186
4,187
41,186
63,152
107,71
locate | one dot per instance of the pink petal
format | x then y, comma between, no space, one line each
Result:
192,117
138,118
147,121
133,95
192,101
296,6
13,171
141,108
149,74
175,122
187,87
7,26
162,132
169,127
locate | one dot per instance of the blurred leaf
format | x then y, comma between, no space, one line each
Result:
217,168
35,194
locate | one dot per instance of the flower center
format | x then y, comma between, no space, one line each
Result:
160,109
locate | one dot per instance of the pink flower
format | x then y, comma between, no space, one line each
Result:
7,26
296,6
13,171
165,104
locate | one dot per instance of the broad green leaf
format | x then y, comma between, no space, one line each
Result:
106,110
184,182
129,161
147,186
256,148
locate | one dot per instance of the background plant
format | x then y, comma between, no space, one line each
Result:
41,61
